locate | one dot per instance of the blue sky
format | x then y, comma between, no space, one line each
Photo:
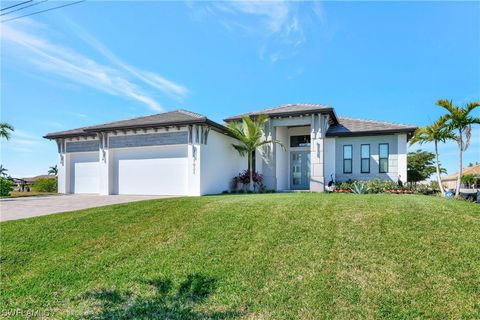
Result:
95,62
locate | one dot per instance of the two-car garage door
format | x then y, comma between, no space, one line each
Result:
159,170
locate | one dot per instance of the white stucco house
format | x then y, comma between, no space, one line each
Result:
185,153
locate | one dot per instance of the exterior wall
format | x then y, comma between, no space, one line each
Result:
374,141
219,163
402,157
329,159
268,154
282,170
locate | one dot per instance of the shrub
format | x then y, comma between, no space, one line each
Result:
6,186
243,179
375,186
45,185
345,186
389,185
359,187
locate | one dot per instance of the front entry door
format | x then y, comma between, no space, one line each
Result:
300,170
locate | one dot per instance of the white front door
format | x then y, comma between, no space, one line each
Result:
84,173
158,170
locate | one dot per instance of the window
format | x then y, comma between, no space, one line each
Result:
300,141
347,159
365,158
383,157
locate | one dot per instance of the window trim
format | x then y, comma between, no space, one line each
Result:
362,158
380,158
351,158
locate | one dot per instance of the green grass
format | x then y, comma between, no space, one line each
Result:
276,256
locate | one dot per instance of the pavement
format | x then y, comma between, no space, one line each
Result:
27,207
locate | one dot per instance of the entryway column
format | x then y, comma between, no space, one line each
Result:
105,167
319,126
269,158
194,142
63,172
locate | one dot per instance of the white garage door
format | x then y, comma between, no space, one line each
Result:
84,172
158,170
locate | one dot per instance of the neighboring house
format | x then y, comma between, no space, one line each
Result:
185,153
25,184
450,182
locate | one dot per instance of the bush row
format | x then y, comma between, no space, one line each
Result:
378,186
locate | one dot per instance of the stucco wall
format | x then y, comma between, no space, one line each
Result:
219,163
282,170
329,158
374,141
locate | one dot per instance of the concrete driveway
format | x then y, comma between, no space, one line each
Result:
27,207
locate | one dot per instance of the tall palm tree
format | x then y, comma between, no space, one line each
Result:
3,171
459,119
53,170
5,130
437,132
251,135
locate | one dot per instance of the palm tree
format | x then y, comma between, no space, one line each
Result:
437,132
3,171
53,170
5,130
459,118
251,135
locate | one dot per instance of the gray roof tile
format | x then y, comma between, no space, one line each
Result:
178,117
352,126
286,110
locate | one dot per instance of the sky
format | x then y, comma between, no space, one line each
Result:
95,62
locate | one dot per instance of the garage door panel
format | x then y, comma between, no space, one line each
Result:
151,171
85,173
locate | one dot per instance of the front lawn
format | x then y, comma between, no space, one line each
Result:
275,256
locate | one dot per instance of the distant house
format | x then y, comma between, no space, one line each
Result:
186,153
25,184
450,182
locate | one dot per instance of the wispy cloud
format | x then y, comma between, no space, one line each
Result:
23,141
279,23
116,78
166,86
78,115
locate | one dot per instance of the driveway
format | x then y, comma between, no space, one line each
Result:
27,207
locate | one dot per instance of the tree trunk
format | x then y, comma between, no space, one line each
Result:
438,170
250,166
460,145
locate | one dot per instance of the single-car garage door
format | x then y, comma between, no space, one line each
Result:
158,170
84,173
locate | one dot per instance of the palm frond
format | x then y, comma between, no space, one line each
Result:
242,150
471,106
274,141
447,104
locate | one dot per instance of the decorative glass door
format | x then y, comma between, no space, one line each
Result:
300,170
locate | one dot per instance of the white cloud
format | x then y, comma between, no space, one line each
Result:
166,86
116,79
23,141
279,23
